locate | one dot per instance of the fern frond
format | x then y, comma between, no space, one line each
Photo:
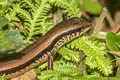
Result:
12,14
2,77
96,72
36,21
95,53
45,26
16,9
73,11
22,13
27,4
62,71
103,78
70,55
38,18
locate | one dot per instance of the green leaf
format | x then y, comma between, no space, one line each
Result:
10,42
118,39
91,7
75,2
118,72
3,21
111,41
14,37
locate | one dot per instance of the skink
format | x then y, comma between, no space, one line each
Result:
37,53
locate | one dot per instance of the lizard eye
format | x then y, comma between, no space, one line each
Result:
79,29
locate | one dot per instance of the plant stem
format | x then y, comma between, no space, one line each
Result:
99,22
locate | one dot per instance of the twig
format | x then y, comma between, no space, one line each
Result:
110,20
99,22
116,28
114,52
117,18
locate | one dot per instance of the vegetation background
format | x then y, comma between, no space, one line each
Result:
94,57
